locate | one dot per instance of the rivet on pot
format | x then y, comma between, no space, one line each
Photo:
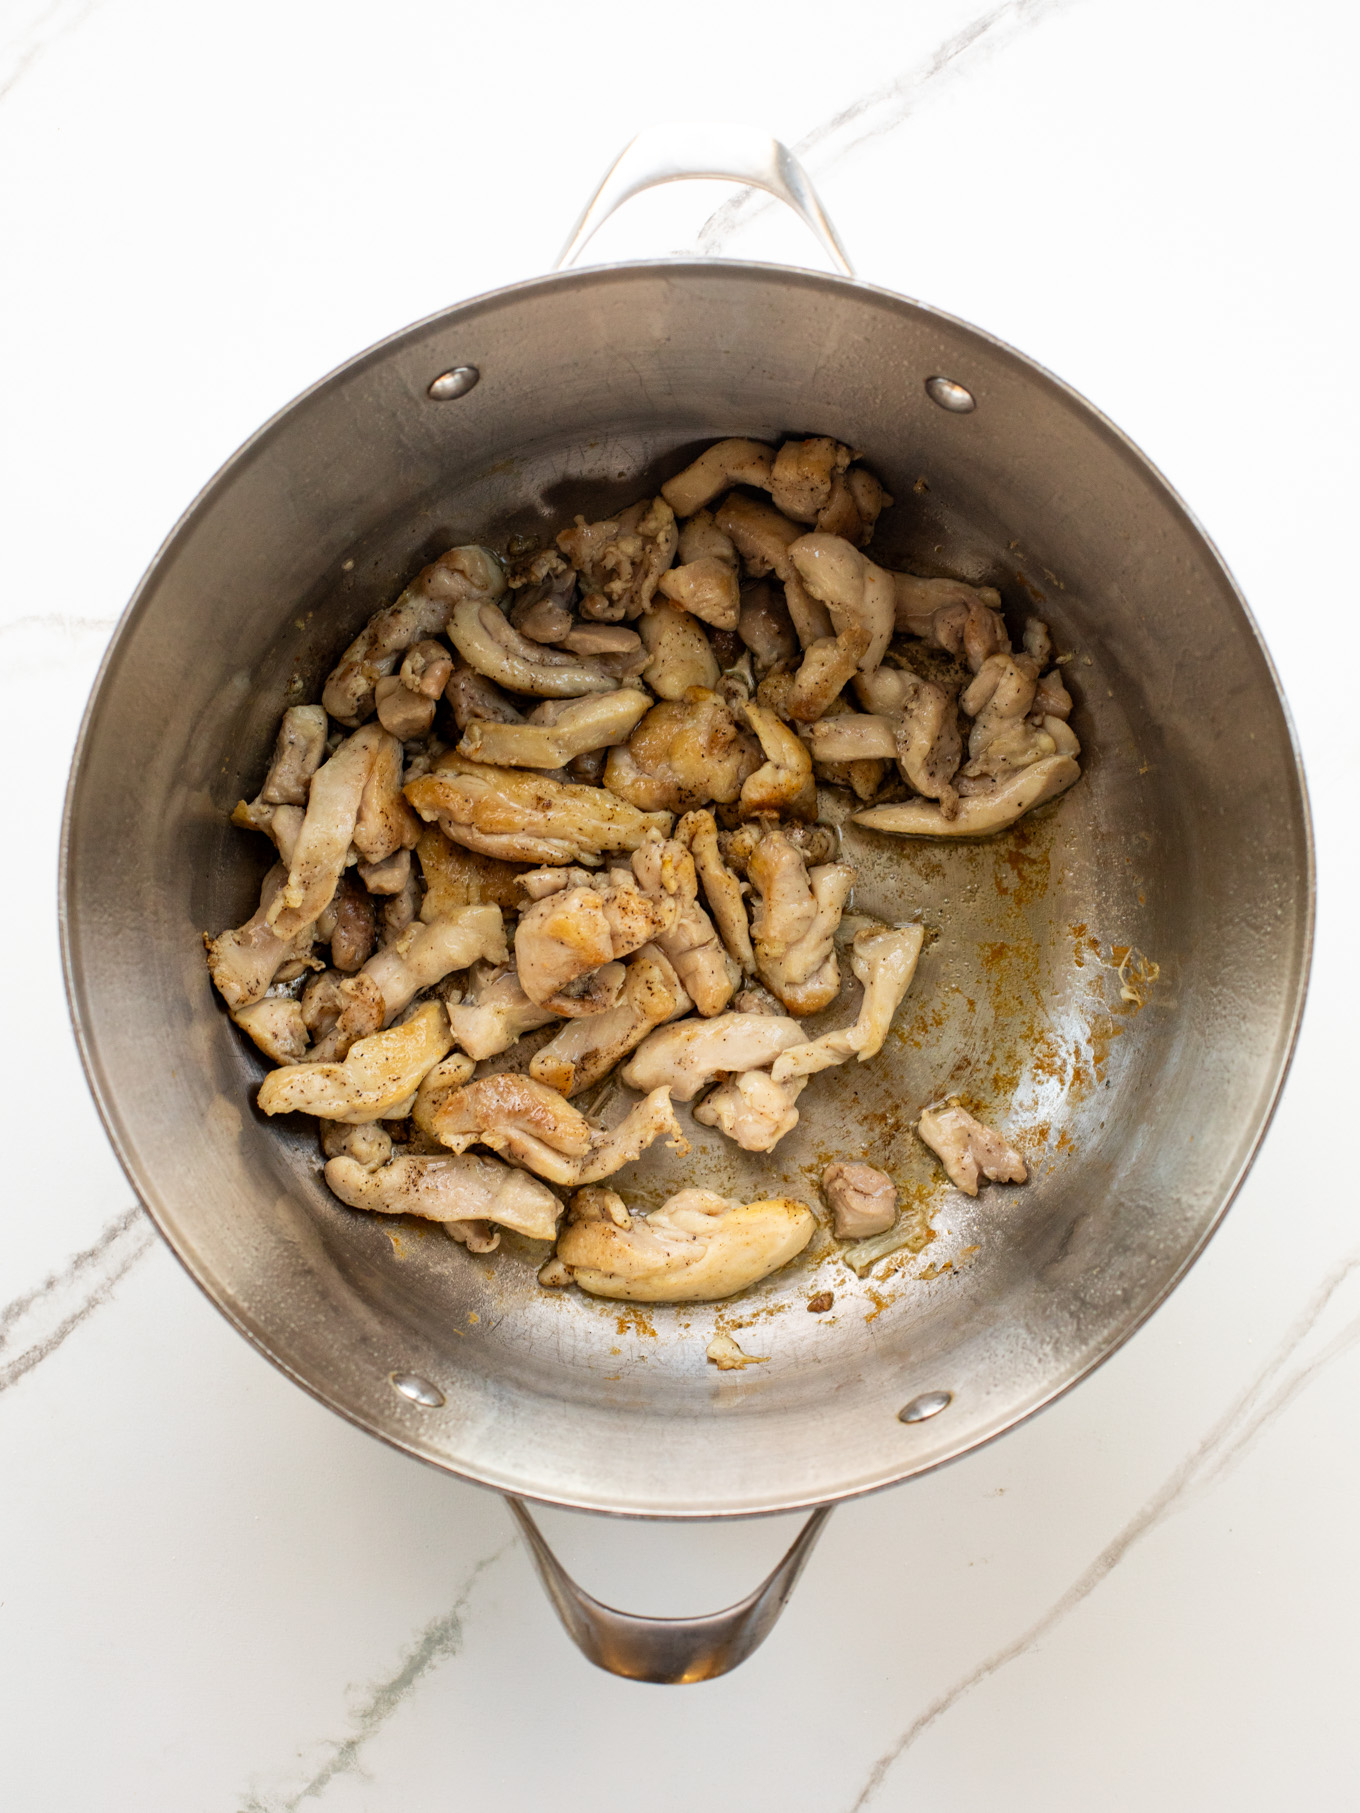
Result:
930,1403
420,1391
457,382
949,395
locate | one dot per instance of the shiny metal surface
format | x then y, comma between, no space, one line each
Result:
950,395
921,1409
454,383
672,1651
1138,1103
418,1390
688,150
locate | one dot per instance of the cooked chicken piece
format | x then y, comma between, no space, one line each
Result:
607,639
853,589
406,713
728,1356
620,560
923,722
488,642
706,584
856,502
538,1128
752,1109
552,736
1037,643
691,1054
406,699
322,847
998,699
456,877
584,1050
428,951
964,620
784,782
684,753
863,776
796,915
800,484
697,1247
537,884
533,566
475,699
385,823
438,1086
280,824
468,574
243,963
815,843
724,464
966,1149
354,927
399,910
573,933
542,612
1051,698
277,1027
827,666
929,746
376,1081
698,832
526,817
863,1200
352,1008
449,1188
679,654
368,1144
755,998
763,538
321,1002
495,1013
1062,736
298,753
765,626
384,878
853,736
982,814
883,959
665,871
643,1124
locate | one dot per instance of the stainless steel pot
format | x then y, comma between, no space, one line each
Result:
1118,980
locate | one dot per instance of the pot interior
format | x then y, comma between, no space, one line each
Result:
1114,983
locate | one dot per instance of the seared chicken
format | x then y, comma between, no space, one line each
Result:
683,753
883,959
586,1049
691,1054
753,1109
863,1200
526,817
449,1187
697,1247
538,1128
494,1013
796,915
377,1080
968,1150
423,609
621,560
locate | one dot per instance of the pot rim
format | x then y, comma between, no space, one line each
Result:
582,278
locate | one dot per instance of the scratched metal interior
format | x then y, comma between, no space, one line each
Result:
1111,982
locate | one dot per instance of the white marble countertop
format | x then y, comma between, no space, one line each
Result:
216,1595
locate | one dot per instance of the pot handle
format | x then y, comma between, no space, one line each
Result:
667,1650
681,150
